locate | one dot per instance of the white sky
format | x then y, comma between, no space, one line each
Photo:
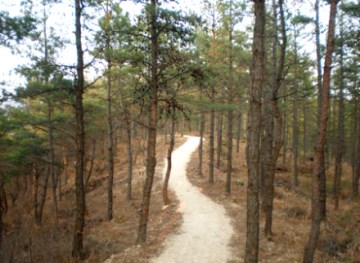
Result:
62,18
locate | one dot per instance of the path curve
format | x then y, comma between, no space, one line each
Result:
206,230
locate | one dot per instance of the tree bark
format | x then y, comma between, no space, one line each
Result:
230,102
212,139
320,99
168,158
276,128
41,203
77,250
110,136
295,115
305,134
319,152
3,211
219,137
49,118
130,158
238,129
253,134
152,126
200,150
356,173
340,140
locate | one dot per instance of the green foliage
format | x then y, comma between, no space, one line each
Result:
352,9
19,146
14,28
301,20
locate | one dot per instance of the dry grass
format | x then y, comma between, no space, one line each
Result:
52,242
340,238
115,240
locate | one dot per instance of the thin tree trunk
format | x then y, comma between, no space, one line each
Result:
356,175
151,146
318,55
168,158
3,210
330,150
130,158
230,102
230,147
322,183
340,140
316,215
357,169
60,184
212,139
238,129
254,124
52,161
295,113
219,138
295,140
88,176
41,204
110,132
49,117
77,250
305,135
200,150
36,193
277,133
285,130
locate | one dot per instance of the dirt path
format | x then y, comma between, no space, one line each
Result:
206,231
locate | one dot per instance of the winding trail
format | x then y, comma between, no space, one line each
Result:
206,230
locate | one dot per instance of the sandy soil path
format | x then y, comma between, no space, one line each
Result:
206,231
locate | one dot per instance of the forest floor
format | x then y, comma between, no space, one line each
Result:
114,241
340,233
52,241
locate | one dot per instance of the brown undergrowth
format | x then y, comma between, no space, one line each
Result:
340,238
103,239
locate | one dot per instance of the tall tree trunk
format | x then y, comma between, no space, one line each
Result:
340,140
285,130
92,159
305,135
77,250
49,117
230,102
330,150
52,160
200,150
3,210
295,139
357,168
276,129
212,139
238,128
320,142
36,193
253,134
41,203
295,113
322,183
129,135
130,158
356,173
168,158
219,137
110,136
318,55
151,144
